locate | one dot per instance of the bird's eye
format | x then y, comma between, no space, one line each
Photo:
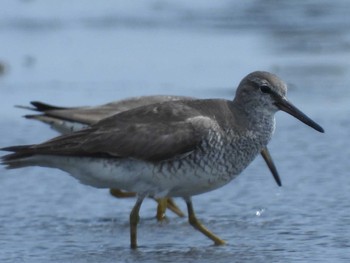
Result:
265,89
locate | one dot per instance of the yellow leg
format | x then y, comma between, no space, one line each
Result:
174,208
162,205
121,194
197,225
134,220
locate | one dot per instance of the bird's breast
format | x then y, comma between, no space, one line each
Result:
218,160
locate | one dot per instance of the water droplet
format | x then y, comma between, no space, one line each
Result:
259,212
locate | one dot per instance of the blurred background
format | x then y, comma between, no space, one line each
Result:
75,53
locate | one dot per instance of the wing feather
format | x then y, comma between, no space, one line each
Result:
151,133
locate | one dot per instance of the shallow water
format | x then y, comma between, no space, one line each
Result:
87,54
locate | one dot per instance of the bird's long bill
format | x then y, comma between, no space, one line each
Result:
284,105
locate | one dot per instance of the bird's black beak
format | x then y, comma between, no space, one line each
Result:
283,104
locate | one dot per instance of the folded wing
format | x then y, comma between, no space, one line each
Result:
151,133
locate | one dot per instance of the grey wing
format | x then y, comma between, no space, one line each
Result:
151,133
91,115
142,133
143,142
146,141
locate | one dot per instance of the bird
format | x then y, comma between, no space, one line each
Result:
65,120
171,149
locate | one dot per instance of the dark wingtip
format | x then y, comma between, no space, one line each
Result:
8,149
32,116
13,160
40,106
15,148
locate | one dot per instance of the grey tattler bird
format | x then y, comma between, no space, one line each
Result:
171,149
66,120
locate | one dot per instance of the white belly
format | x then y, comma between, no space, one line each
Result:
136,176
